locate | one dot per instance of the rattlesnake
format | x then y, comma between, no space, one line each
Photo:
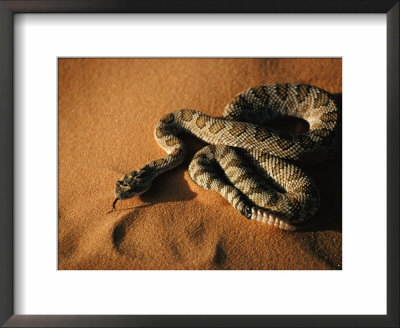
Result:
252,166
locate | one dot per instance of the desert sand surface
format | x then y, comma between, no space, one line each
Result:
107,112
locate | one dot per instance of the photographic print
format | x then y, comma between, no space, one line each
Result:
199,164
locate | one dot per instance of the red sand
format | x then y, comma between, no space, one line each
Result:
107,112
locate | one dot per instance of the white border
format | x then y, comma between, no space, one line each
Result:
360,288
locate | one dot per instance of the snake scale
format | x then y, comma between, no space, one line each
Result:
254,167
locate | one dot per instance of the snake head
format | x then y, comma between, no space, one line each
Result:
133,184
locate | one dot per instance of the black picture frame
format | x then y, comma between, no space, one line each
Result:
11,7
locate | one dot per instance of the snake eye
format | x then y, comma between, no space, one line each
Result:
121,183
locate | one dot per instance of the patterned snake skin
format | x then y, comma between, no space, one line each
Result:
252,166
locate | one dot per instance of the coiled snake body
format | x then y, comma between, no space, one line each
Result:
252,166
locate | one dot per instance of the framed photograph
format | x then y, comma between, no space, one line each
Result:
214,164
170,222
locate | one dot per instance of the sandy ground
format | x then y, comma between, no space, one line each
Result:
107,112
